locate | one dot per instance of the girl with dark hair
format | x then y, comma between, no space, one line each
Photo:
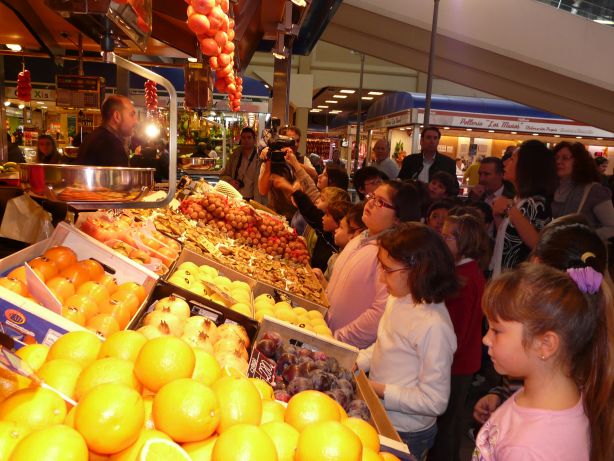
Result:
356,295
554,330
532,172
470,245
580,189
409,364
46,151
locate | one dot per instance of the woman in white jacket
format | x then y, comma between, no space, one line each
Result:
409,364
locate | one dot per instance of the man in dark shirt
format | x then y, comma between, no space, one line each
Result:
105,146
422,166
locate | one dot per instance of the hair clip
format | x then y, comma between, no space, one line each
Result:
587,279
587,255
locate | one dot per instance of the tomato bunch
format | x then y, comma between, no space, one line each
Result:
151,96
215,30
24,86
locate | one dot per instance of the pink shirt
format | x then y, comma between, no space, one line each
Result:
357,298
515,433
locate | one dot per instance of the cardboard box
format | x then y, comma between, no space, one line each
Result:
27,321
264,368
198,306
258,287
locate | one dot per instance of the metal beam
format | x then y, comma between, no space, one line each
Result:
37,28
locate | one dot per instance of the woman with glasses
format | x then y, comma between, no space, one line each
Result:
356,295
580,189
409,364
46,151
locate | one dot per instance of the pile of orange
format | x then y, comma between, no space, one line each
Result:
89,296
146,400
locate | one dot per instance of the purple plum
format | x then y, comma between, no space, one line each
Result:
299,384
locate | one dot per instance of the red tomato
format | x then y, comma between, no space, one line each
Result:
209,47
198,23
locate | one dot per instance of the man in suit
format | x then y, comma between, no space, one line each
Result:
491,184
422,166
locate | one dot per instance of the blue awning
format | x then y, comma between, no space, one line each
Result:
401,101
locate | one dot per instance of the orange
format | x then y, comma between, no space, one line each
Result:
328,441
272,411
70,417
149,422
124,344
186,410
80,346
103,324
109,370
10,435
310,407
388,456
200,451
206,368
163,360
74,315
97,457
239,402
284,437
370,455
34,355
53,443
264,388
61,374
110,417
365,432
162,449
84,304
132,452
36,408
9,383
244,442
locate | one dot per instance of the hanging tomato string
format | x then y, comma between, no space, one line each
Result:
215,31
151,96
24,85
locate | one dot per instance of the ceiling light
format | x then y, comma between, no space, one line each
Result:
323,107
367,98
191,59
336,111
152,130
605,22
600,139
13,46
40,102
469,129
491,131
299,2
21,106
330,101
43,107
535,134
348,91
513,132
557,135
376,93
402,129
315,110
446,127
7,103
578,137
421,126
279,50
340,96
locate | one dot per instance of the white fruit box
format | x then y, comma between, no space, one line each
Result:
258,287
264,368
34,319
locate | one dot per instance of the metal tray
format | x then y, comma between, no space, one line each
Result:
86,186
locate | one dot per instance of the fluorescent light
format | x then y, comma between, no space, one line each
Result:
21,106
299,2
7,103
402,129
557,135
421,126
513,132
335,111
367,98
578,137
605,22
340,96
191,59
376,93
40,102
469,129
535,134
331,101
600,139
43,107
13,46
446,127
491,131
266,85
315,110
348,91
323,107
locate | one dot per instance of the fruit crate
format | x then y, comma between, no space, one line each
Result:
198,306
27,321
258,287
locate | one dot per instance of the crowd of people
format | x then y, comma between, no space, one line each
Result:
431,287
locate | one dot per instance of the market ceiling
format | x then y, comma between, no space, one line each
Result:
43,32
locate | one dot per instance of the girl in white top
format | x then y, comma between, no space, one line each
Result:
554,330
410,361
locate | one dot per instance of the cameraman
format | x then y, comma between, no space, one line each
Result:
294,133
243,167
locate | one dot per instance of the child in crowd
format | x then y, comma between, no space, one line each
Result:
409,364
356,295
554,330
470,246
437,214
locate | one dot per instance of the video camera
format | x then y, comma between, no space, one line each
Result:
276,142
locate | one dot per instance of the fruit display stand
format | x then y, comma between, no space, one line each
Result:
25,320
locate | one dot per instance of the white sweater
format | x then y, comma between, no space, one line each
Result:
413,357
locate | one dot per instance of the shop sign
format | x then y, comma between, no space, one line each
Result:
504,123
389,121
38,94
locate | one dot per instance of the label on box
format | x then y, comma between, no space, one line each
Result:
262,367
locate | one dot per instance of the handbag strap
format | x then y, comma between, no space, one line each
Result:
587,190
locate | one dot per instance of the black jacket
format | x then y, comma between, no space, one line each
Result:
412,166
102,148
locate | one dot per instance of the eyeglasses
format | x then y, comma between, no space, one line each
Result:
387,270
378,201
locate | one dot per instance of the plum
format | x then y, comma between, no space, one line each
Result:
267,347
332,366
305,368
273,336
339,396
348,376
290,373
318,355
284,361
286,349
302,352
359,409
320,364
322,381
299,384
282,396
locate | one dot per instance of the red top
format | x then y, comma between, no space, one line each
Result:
466,314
